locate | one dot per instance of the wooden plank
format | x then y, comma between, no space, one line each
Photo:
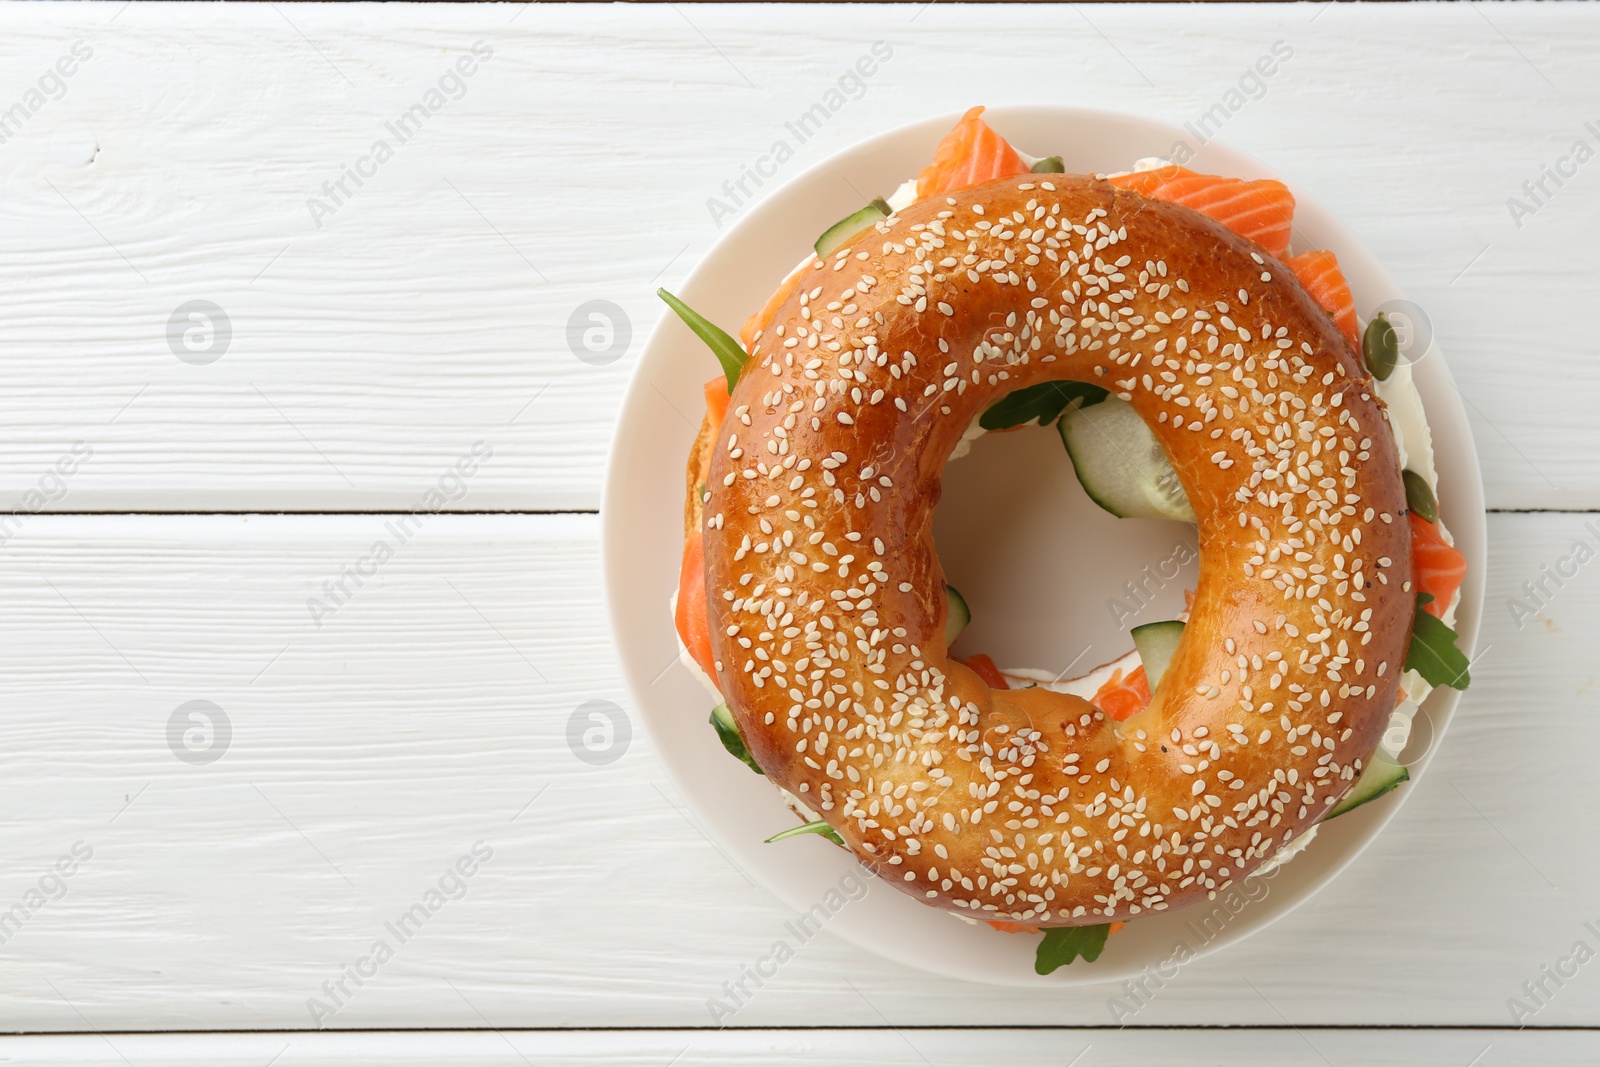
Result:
431,711
836,1048
371,346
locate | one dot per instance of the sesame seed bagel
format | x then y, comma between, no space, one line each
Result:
827,599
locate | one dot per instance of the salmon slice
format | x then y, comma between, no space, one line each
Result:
969,154
984,668
717,397
1259,210
1438,568
693,614
1123,697
693,617
1146,182
1319,272
1023,928
763,318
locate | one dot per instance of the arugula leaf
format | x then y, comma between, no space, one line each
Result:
820,828
1044,402
728,733
1433,652
725,348
1063,944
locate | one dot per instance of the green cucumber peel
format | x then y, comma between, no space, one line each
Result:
957,614
1157,643
851,226
1391,773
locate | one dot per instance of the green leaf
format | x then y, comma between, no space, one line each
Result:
728,732
1044,402
1433,652
820,828
1063,944
725,348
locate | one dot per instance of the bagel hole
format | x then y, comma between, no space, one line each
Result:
1055,583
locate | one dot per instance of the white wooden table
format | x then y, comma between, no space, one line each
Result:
218,483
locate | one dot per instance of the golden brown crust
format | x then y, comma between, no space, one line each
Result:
826,591
694,475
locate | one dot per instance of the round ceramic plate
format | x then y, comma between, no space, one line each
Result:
1039,563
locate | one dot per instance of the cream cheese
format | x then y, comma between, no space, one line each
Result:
1287,852
683,653
904,196
1409,424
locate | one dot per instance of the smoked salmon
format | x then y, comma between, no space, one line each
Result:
1146,182
758,322
1320,274
692,615
1123,697
1024,928
717,397
984,668
1438,567
969,154
1262,211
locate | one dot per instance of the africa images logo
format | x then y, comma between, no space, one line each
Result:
851,85
452,885
451,85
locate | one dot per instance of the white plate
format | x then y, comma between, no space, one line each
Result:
1044,545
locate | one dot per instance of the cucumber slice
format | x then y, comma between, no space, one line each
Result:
1157,642
1121,464
840,233
957,615
1382,776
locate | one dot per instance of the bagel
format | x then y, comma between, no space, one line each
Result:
826,596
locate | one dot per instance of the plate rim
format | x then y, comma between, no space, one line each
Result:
1464,506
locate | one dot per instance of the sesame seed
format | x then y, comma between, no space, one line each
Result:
828,634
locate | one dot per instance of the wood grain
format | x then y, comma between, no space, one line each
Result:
836,1048
429,310
431,712
388,716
